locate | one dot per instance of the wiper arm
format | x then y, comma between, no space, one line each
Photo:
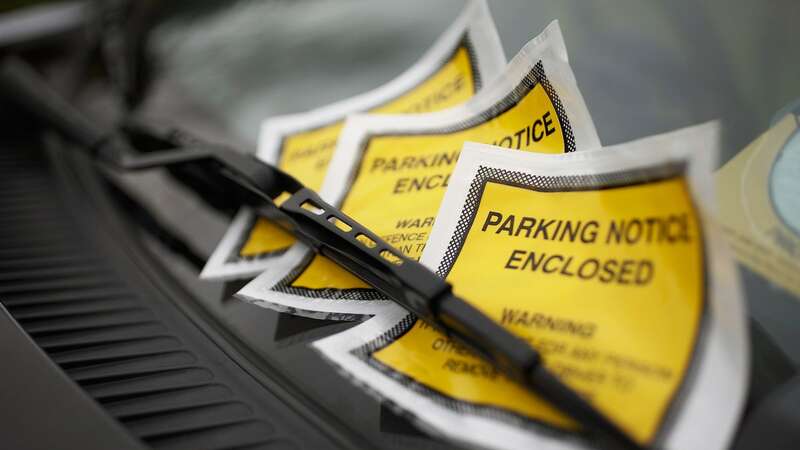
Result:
281,198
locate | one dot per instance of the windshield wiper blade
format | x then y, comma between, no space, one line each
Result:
281,198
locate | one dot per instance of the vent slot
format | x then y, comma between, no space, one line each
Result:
102,331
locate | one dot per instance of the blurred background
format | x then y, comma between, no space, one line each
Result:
643,68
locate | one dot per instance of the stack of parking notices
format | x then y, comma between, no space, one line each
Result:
404,163
606,260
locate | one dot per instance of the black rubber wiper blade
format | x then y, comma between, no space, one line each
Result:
281,198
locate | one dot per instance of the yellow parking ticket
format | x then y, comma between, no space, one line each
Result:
464,58
390,172
605,263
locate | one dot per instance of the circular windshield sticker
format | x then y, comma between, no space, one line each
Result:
785,184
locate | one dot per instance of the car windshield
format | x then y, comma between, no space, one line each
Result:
644,68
